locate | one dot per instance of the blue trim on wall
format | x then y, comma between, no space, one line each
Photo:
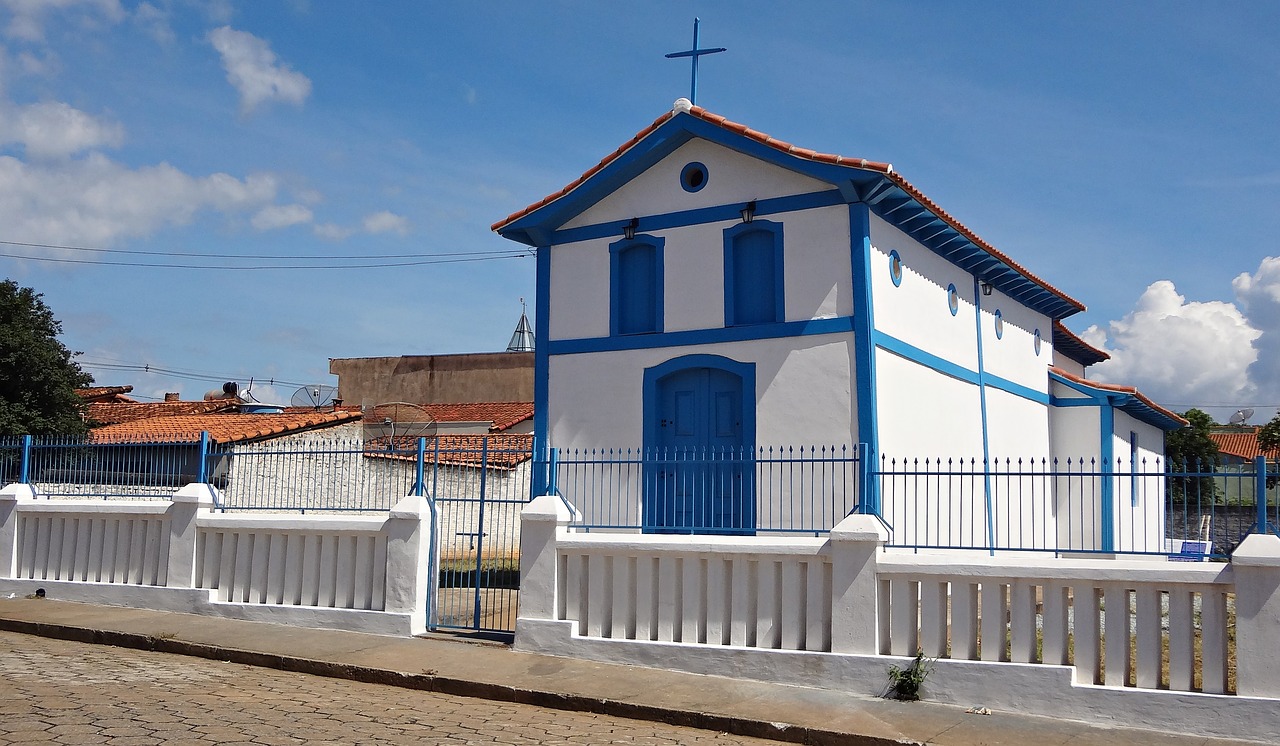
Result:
810,327
730,256
745,371
1133,468
654,286
948,368
701,216
541,389
1107,491
982,403
864,345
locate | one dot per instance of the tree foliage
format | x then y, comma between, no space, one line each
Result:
1269,436
38,374
1192,450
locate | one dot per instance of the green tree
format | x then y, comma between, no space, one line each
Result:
38,374
1269,436
1191,450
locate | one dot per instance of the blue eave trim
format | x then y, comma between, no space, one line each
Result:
811,327
852,184
1127,403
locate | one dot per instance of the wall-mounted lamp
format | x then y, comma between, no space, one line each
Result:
629,230
986,287
749,212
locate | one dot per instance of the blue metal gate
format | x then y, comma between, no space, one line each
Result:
480,484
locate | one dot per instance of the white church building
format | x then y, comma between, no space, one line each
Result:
707,288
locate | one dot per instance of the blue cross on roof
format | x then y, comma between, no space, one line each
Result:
695,53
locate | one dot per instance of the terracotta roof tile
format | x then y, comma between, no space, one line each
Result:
1241,443
105,393
804,153
503,415
222,427
1074,347
1121,390
505,451
114,413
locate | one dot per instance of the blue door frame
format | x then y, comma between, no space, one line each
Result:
699,437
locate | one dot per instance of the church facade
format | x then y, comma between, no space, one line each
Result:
707,286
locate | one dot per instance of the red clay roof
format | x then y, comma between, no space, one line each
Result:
1121,390
1239,443
105,393
222,428
804,153
114,413
1077,347
502,414
505,450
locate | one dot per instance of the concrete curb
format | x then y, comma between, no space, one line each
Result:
430,682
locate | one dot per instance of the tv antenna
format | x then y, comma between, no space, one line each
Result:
314,396
395,424
1241,416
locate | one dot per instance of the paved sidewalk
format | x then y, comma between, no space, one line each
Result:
494,672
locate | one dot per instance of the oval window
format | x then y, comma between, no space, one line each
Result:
895,268
693,177
999,324
953,299
1037,342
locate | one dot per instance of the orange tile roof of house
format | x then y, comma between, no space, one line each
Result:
114,413
222,427
505,450
504,414
804,153
1241,443
1121,390
105,393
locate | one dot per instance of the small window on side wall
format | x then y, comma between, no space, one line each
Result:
635,285
753,273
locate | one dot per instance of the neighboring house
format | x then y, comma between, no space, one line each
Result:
471,377
707,286
1234,477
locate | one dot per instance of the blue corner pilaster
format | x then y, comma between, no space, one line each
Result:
202,477
864,384
1107,493
541,368
1260,492
25,476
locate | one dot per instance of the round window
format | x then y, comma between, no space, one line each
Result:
1037,342
693,177
953,299
895,268
999,324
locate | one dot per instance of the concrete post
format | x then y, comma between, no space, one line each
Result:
10,496
540,520
187,504
1256,566
854,543
410,560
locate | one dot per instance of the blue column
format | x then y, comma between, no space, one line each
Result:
1260,492
25,477
202,477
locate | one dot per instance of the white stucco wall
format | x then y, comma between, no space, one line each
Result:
803,392
1139,500
731,177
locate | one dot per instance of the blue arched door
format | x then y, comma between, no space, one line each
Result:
698,468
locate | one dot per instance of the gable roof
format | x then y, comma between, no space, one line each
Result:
1075,348
222,427
1124,398
887,193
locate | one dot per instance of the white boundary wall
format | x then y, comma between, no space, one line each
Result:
837,612
368,574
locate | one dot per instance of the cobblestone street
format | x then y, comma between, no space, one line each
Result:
52,691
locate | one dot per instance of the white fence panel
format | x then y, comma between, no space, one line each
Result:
95,541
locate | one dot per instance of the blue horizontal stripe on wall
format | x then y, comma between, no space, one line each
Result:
837,325
946,367
715,214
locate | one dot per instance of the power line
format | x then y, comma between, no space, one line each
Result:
185,374
255,256
507,255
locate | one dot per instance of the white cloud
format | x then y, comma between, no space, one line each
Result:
56,130
385,222
27,17
1259,295
96,201
272,217
332,231
1180,351
154,21
252,69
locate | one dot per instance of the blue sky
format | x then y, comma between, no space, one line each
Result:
1123,152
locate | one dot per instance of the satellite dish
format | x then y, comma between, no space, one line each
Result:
396,423
315,396
1241,416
